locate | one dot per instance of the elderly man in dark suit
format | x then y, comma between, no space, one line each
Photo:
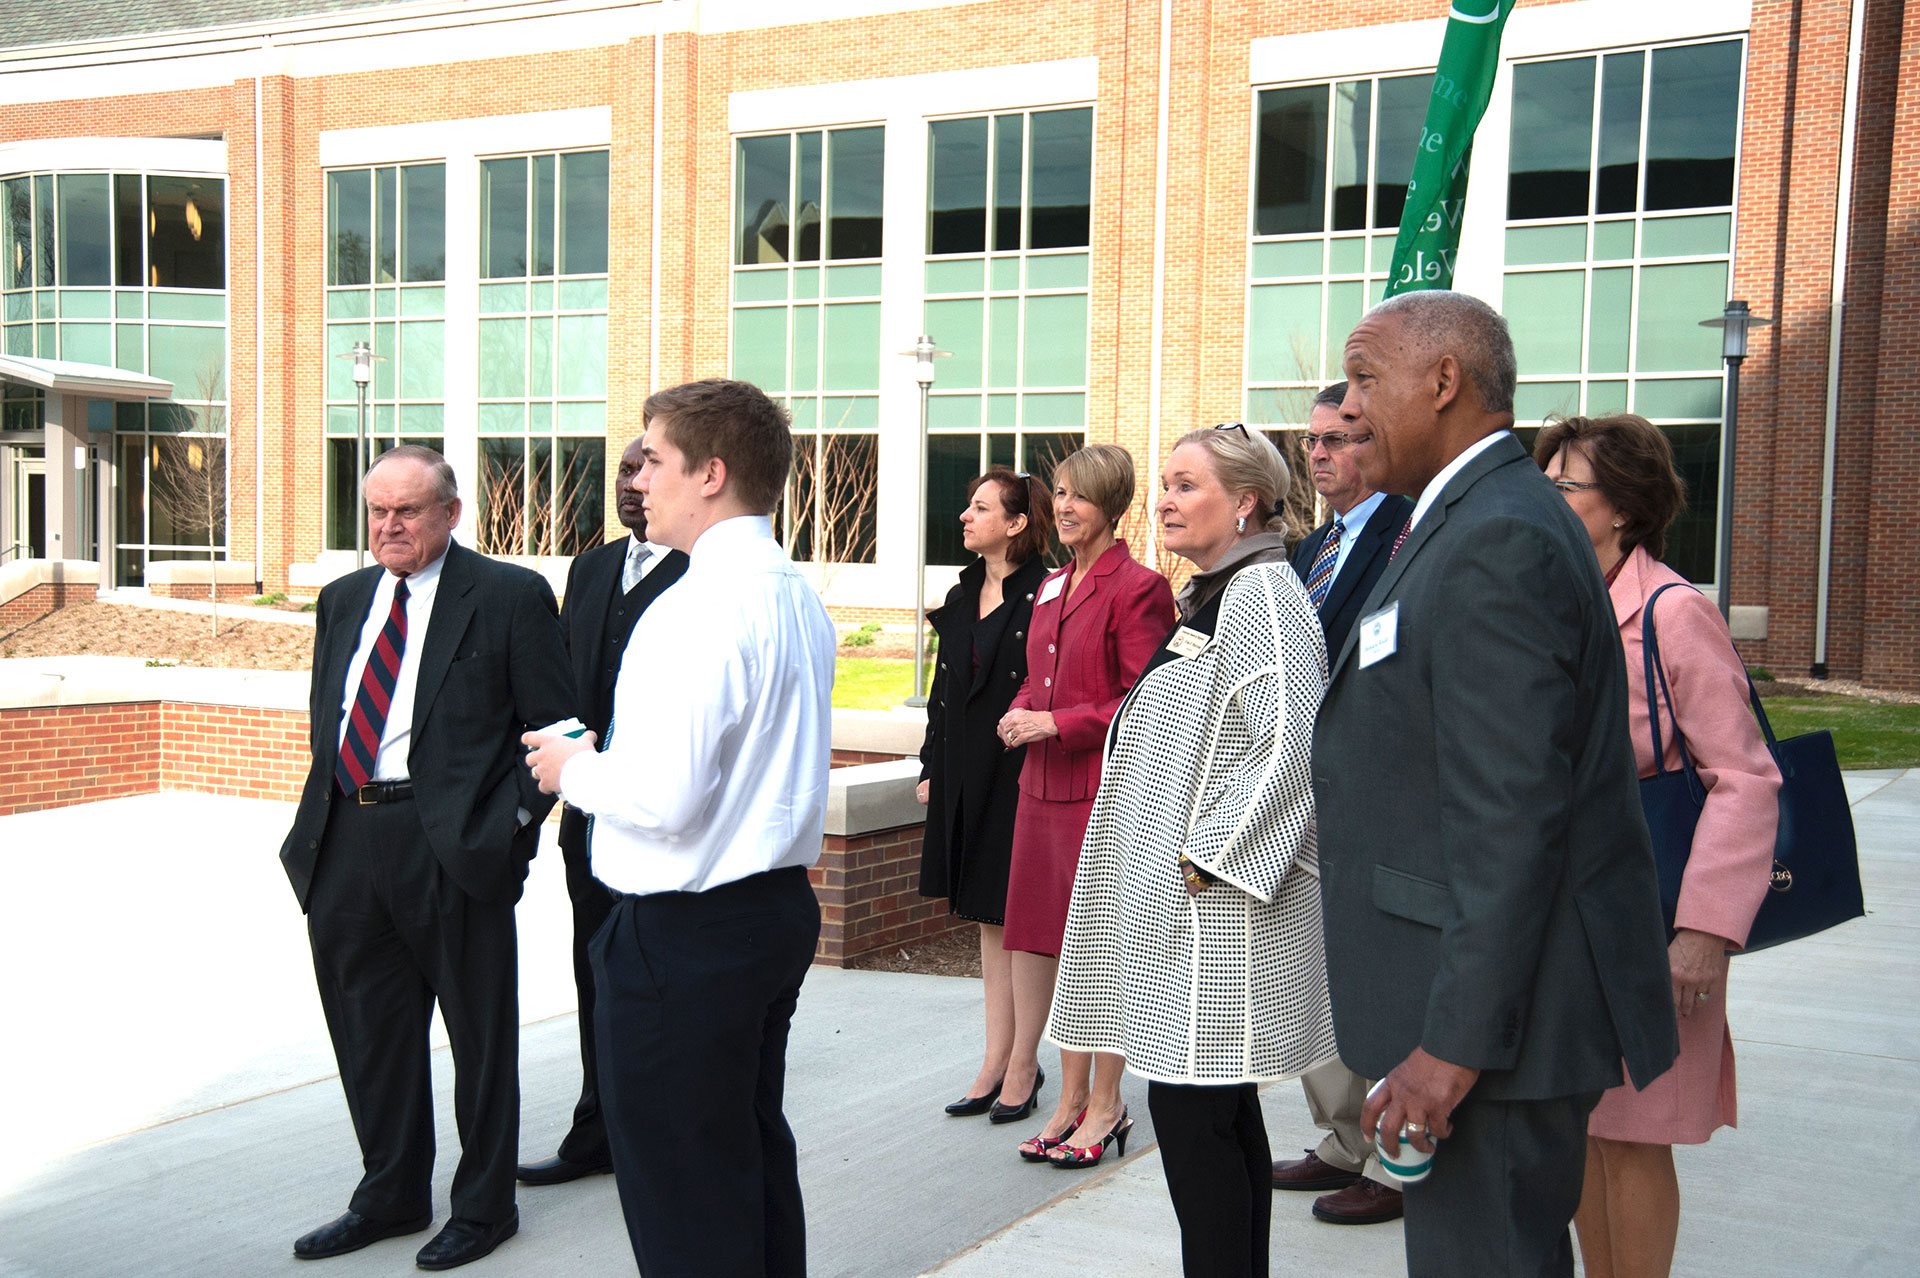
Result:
608,588
1494,940
1339,561
410,846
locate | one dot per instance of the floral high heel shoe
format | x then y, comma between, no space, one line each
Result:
1035,1149
1076,1156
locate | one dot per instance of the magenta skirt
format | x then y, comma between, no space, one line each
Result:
1046,851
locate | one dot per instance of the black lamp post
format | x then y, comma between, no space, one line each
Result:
1733,324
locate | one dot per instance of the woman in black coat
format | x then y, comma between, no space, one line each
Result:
968,779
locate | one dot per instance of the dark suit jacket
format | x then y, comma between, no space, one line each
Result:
597,620
975,778
1487,879
1365,562
494,666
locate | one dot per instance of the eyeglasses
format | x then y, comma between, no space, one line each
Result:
1235,426
1573,486
1334,441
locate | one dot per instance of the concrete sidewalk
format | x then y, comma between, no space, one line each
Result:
171,1105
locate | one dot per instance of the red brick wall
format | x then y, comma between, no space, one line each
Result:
869,898
230,591
240,750
851,758
55,756
37,601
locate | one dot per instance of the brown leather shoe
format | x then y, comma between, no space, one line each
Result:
1365,1202
1310,1172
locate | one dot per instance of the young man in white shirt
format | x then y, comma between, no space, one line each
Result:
706,825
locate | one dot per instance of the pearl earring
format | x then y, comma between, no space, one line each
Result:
1240,524
1619,523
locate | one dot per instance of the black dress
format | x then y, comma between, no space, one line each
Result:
975,779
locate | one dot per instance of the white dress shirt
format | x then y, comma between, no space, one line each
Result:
1431,493
731,671
395,740
1355,522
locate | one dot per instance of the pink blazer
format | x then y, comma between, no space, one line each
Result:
1732,858
1083,654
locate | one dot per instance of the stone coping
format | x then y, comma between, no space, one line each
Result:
79,681
194,572
869,797
22,575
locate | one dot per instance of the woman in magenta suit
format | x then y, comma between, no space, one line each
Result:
1617,475
1096,622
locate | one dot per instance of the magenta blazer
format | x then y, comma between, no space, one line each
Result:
1732,858
1083,654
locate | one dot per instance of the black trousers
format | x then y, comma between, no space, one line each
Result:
1502,1192
586,1140
1213,1148
392,934
695,994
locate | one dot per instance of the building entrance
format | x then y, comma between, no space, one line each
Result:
25,469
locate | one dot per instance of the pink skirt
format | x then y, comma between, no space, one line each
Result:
1046,851
1687,1103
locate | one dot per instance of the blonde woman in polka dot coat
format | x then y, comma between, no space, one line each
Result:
1193,942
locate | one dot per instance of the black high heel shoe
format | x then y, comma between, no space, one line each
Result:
968,1106
1075,1156
1014,1113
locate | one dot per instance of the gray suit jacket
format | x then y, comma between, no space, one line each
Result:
1487,881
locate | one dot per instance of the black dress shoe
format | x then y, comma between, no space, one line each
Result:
352,1232
968,1106
558,1171
1014,1113
465,1240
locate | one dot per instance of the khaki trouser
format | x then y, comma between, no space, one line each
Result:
1335,1095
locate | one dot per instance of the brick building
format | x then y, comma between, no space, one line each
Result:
1122,217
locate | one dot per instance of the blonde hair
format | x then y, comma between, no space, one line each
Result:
1103,474
1245,461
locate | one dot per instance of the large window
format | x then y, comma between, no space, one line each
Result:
1331,165
806,322
1620,199
543,352
386,285
1009,216
129,270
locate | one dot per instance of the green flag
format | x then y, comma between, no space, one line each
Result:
1429,241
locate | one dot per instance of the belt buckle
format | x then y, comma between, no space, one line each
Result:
368,795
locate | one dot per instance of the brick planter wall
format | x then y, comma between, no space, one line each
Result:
56,756
37,601
196,591
869,898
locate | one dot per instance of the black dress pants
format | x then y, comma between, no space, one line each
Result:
694,995
1502,1192
586,1140
1213,1148
391,933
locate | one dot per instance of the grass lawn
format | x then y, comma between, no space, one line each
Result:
871,683
1865,734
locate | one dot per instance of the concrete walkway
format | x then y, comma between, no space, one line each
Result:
171,1105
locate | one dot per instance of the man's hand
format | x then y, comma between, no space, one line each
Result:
550,754
1420,1093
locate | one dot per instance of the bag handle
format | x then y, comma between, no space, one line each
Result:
1656,676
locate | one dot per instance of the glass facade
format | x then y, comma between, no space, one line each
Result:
1619,238
543,352
1006,280
129,270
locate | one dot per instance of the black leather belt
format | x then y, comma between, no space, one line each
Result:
384,791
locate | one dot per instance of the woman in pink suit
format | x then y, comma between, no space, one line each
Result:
1617,474
1096,622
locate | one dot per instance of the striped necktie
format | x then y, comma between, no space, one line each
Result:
368,719
1320,575
1401,540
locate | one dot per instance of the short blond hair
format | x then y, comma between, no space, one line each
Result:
1103,474
1245,461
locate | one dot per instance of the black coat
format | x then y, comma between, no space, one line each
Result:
975,778
1365,562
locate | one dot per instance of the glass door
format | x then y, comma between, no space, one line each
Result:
26,522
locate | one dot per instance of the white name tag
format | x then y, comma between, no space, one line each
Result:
1380,634
1051,590
1187,642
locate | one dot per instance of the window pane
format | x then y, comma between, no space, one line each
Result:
582,340
501,527
1691,538
1352,139
129,231
952,462
851,347
855,167
503,358
806,224
806,348
188,486
43,230
957,186
1552,155
1545,312
760,347
423,360
194,360
386,229
349,226
542,214
188,220
1346,303
581,465
1403,114
540,356
1290,169
1620,75
760,211
1686,236
1062,185
503,218
1009,148
1692,124
423,227
1610,324
1283,333
85,229
846,523
1003,341
17,232
958,326
1673,301
583,213
1056,342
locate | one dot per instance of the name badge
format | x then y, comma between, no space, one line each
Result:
1380,634
1050,591
1186,642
